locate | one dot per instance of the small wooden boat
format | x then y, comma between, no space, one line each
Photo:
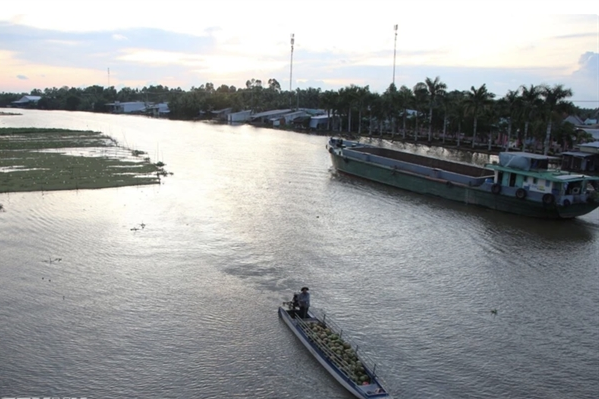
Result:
334,352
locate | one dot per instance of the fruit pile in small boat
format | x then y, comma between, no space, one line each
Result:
337,351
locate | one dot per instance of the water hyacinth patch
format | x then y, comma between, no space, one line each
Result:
34,159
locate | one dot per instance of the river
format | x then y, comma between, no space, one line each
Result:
171,290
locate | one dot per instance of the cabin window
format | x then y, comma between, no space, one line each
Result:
512,179
543,185
535,180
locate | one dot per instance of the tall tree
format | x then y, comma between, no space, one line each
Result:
362,94
274,85
554,102
530,102
347,100
390,101
476,101
406,99
458,112
508,105
329,100
436,89
420,102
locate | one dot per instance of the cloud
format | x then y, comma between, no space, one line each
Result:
585,80
589,35
22,77
588,66
94,49
229,48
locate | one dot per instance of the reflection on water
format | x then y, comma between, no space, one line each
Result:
185,306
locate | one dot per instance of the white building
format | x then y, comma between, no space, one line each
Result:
264,117
239,117
221,114
160,109
286,119
126,107
26,100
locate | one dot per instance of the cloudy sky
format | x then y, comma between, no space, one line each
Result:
337,43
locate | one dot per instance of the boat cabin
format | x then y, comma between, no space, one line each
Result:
528,173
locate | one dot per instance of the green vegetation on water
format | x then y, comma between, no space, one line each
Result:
33,159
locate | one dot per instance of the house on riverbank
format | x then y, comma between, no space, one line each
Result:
239,117
26,101
128,107
583,160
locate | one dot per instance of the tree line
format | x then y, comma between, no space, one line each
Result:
528,115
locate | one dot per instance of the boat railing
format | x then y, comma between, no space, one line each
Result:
342,363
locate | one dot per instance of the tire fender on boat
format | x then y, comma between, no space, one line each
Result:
576,190
566,203
449,184
548,199
496,188
520,193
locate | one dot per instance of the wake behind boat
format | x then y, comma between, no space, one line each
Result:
521,183
334,352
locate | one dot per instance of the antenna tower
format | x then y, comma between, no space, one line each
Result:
394,54
291,64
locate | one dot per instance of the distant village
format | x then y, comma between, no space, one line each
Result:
533,118
302,118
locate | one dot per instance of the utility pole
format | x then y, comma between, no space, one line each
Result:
394,54
108,77
291,68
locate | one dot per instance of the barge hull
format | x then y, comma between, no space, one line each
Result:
456,191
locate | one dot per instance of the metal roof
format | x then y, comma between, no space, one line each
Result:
26,99
270,113
578,154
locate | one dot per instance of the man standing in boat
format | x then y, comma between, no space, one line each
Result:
304,302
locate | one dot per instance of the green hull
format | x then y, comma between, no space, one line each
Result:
457,192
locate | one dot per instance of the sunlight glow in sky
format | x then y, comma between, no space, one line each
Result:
179,43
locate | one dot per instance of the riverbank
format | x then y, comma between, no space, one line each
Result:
34,159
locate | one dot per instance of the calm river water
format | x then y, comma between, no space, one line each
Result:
94,305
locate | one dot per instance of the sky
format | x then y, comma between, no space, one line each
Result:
129,43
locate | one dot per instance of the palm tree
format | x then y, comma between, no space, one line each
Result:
361,96
554,101
348,98
379,112
530,101
390,100
509,104
328,100
446,104
459,111
406,98
375,110
420,101
476,101
435,89
493,116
